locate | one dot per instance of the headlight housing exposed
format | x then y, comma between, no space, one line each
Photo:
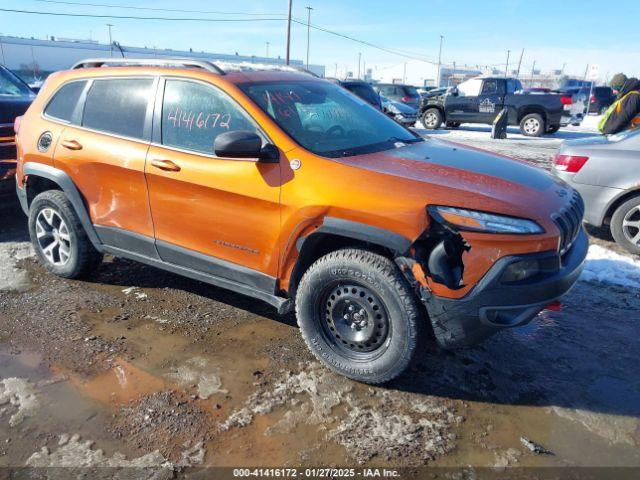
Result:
476,221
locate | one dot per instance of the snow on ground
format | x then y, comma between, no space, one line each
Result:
606,266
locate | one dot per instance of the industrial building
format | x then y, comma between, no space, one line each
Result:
34,59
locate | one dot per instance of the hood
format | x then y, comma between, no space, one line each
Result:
455,175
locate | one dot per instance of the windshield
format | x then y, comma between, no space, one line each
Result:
411,91
326,119
12,86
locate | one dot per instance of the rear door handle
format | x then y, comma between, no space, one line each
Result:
72,144
166,165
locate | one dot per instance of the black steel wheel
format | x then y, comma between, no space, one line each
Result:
358,315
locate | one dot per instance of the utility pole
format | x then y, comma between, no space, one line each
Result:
336,74
533,68
4,62
110,40
506,68
267,49
308,31
289,33
440,60
359,57
520,63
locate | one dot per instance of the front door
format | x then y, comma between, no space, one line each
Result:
489,102
217,215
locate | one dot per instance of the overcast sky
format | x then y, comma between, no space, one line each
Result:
475,32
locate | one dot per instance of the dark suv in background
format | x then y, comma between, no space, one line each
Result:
406,94
15,98
363,90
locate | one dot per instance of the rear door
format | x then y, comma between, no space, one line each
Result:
103,149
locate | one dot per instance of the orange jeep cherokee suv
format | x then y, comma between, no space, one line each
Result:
290,189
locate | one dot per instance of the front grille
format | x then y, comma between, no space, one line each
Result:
569,221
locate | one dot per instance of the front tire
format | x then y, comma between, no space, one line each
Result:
57,236
431,119
532,125
553,129
358,315
625,225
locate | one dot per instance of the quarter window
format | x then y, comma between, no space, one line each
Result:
64,101
118,106
193,115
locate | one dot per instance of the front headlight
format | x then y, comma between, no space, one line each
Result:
474,220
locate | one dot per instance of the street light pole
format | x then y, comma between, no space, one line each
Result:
289,32
520,63
506,68
110,40
308,31
440,59
359,57
267,49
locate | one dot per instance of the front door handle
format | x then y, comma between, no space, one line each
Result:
166,165
72,144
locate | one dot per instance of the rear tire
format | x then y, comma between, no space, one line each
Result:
358,315
431,119
625,225
532,125
58,238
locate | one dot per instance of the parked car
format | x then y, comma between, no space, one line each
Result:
601,99
479,100
435,92
285,187
400,112
399,93
423,91
606,172
363,90
15,98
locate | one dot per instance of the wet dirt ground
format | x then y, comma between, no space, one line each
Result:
135,367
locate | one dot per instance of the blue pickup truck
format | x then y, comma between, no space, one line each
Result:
480,99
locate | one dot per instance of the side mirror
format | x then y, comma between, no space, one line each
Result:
244,144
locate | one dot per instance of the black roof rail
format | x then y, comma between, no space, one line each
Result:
150,62
207,65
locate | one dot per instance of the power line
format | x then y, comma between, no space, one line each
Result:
132,17
153,9
368,44
229,20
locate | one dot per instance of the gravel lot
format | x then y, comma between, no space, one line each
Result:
135,367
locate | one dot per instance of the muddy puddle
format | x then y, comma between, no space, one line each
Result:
139,367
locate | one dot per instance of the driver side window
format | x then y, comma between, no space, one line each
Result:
490,87
194,114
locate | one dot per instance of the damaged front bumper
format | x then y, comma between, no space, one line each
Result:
494,304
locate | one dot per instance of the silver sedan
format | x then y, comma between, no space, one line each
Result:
606,172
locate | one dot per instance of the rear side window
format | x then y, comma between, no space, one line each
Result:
193,115
64,101
118,106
